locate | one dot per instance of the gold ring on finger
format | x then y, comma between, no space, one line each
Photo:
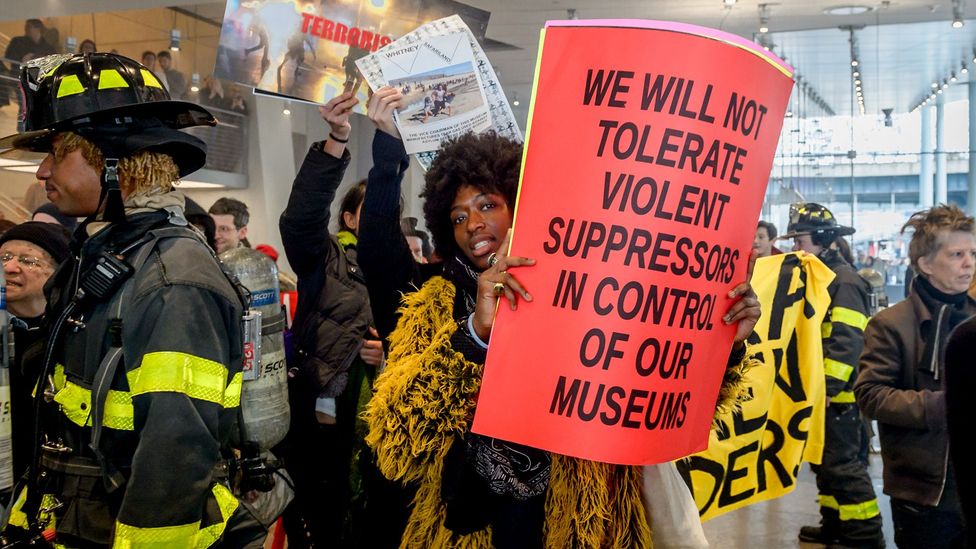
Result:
492,259
498,289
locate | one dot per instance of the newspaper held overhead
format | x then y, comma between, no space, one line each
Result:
448,84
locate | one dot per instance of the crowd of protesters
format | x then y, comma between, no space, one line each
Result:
378,454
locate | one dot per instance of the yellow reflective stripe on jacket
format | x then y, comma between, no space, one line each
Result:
843,397
232,395
227,504
852,511
166,536
183,536
19,519
174,372
75,403
826,329
838,370
848,316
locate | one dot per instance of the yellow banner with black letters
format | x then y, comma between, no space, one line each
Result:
755,454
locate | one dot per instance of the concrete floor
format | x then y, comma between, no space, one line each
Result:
775,524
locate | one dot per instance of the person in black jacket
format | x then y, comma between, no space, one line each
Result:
848,506
30,253
20,50
143,364
338,352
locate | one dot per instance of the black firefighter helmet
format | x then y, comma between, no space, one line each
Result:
817,221
113,101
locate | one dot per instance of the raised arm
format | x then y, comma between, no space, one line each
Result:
304,224
383,253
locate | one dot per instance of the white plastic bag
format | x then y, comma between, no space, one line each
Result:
671,510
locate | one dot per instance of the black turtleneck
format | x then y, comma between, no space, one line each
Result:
948,311
956,300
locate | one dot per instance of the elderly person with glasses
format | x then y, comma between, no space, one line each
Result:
30,253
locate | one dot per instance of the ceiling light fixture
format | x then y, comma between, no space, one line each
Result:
952,78
763,18
964,69
515,100
957,22
847,10
728,3
174,40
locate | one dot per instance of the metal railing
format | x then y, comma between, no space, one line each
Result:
227,142
12,209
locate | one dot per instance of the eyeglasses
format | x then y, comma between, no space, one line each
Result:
28,262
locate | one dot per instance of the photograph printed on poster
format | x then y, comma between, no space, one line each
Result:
438,95
308,50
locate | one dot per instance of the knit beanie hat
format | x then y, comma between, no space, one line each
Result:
49,237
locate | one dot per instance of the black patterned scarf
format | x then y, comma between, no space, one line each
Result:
507,468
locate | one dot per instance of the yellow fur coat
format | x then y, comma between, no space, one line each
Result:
426,397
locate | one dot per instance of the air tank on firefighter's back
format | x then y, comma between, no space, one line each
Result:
264,395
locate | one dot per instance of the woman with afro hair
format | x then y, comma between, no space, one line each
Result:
471,490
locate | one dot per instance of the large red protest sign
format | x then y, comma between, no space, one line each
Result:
648,152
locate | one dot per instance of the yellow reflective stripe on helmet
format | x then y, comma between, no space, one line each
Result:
852,511
850,317
150,80
843,397
69,85
166,536
838,370
110,78
174,372
232,395
75,403
826,329
227,504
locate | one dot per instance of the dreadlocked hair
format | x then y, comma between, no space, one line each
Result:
930,228
486,161
141,173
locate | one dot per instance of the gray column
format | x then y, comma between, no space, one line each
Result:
971,186
941,178
926,162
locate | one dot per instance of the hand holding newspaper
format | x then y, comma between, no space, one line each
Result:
448,85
